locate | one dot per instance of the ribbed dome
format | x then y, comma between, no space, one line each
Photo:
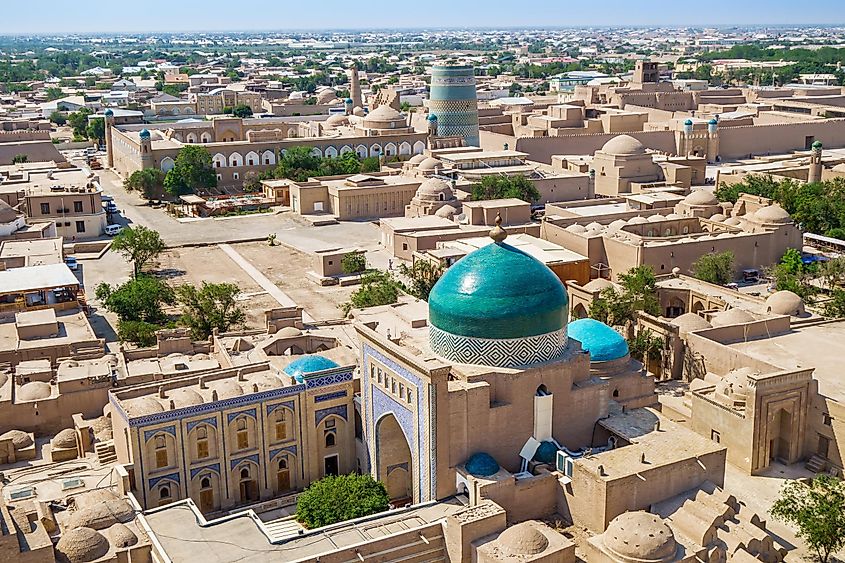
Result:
640,536
80,545
701,197
522,539
602,342
785,303
305,365
481,464
623,145
496,292
435,189
34,391
20,439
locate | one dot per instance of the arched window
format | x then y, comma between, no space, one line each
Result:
281,425
330,440
164,492
202,442
242,434
245,473
161,452
205,483
442,197
283,463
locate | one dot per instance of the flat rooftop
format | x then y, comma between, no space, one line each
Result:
820,346
546,252
241,539
74,328
38,252
32,278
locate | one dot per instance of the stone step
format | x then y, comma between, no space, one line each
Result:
816,464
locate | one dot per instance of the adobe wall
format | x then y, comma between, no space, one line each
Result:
541,149
737,142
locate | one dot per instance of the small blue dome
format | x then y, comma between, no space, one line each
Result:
305,365
602,342
546,453
431,117
481,465
688,122
349,101
108,113
498,292
144,134
712,121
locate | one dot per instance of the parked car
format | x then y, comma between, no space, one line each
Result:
71,263
112,230
106,198
111,207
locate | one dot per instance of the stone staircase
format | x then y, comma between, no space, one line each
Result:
105,452
283,528
816,464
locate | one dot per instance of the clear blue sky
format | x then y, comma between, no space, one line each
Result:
212,15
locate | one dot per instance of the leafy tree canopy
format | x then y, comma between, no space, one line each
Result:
422,275
192,172
242,110
817,509
212,306
717,268
638,293
149,182
335,499
500,187
377,288
138,245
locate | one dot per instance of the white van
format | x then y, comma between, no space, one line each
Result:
112,230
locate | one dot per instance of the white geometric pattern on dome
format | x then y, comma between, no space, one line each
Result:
503,353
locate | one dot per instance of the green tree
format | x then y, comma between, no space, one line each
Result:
423,275
96,130
817,509
298,164
138,305
20,158
353,263
58,118
78,121
54,93
212,306
833,272
717,268
242,110
335,499
138,245
790,274
149,182
835,307
638,293
500,187
192,172
377,288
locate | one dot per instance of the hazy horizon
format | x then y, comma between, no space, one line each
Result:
215,16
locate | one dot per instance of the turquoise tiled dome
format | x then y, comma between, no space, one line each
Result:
602,342
481,465
305,365
432,117
713,121
144,134
546,452
688,122
498,292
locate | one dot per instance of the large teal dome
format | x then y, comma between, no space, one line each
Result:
602,342
305,365
498,306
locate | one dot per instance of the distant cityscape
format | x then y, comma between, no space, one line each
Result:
423,295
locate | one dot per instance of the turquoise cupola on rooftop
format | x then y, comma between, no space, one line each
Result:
305,365
602,342
498,307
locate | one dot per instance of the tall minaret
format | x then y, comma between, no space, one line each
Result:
815,172
355,87
109,123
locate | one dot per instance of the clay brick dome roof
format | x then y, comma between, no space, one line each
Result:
64,439
623,145
142,406
80,545
184,397
523,539
226,389
732,317
701,197
785,303
640,536
429,163
689,322
34,390
772,214
121,536
20,439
